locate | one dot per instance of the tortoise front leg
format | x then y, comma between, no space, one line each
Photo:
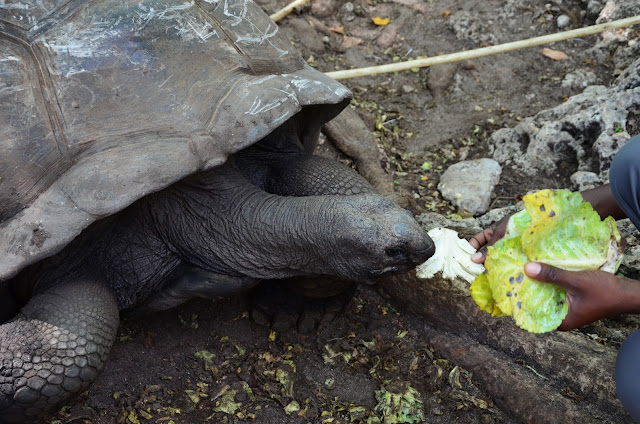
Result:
351,136
55,347
309,175
279,165
189,282
300,174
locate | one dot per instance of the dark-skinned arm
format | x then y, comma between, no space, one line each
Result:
603,202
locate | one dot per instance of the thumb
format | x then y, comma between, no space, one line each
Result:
479,256
549,274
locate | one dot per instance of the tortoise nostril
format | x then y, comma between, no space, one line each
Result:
396,252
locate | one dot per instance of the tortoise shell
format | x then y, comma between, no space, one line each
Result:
105,101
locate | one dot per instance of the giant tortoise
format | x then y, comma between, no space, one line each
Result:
155,151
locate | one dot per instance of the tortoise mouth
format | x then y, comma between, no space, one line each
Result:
388,270
401,262
375,275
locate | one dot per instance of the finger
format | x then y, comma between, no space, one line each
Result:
549,274
481,238
479,242
499,229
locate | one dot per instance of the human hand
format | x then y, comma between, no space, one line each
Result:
591,295
486,238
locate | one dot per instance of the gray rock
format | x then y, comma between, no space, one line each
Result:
626,54
594,7
531,146
632,257
583,180
579,79
469,226
469,184
440,79
586,130
563,21
464,227
630,77
468,26
388,36
623,42
618,9
495,215
631,234
407,89
605,149
323,8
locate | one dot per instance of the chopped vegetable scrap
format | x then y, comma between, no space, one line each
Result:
399,403
452,257
556,228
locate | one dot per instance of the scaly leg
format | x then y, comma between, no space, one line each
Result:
190,282
55,347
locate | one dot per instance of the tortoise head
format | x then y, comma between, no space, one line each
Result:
375,237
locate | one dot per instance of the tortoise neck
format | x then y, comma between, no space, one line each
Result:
229,226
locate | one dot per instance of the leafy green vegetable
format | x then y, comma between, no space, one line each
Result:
557,228
517,224
566,231
481,293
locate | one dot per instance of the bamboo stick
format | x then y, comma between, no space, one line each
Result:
287,9
484,51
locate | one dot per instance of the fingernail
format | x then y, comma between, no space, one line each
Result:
476,256
532,268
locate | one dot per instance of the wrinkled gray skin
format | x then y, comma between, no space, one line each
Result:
272,211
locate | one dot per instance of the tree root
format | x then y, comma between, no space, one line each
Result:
552,377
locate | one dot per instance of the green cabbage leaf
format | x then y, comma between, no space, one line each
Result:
557,228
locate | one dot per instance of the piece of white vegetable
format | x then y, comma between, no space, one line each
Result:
452,257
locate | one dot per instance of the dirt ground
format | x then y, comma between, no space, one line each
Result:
208,361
